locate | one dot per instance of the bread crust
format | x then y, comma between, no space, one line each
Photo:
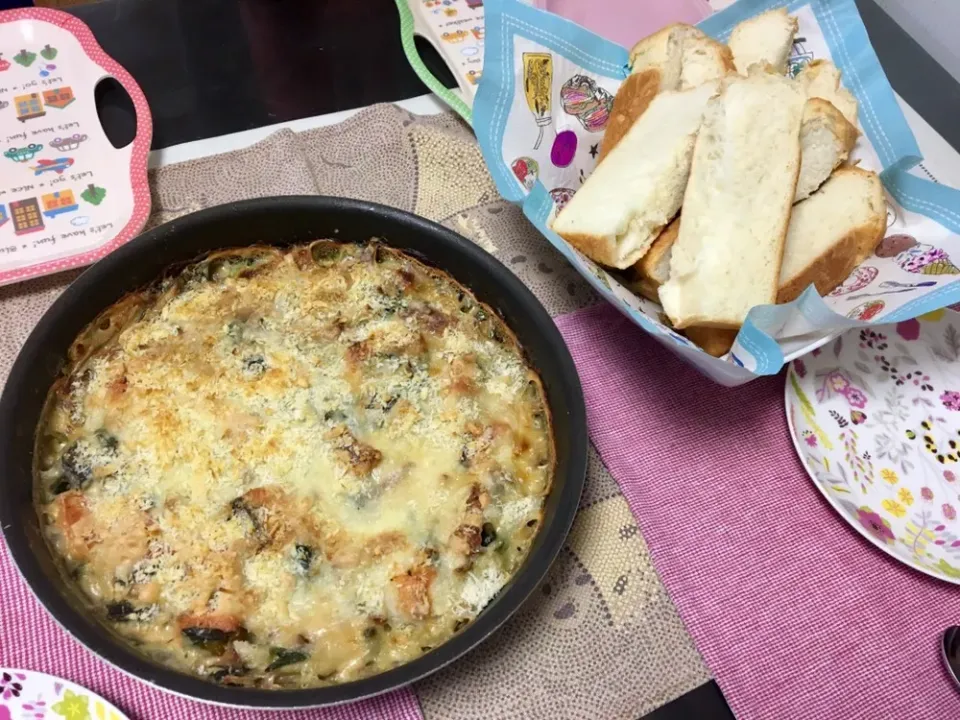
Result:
713,341
649,58
596,247
631,101
655,49
820,110
834,92
776,63
819,114
646,267
726,55
687,317
645,287
624,204
831,268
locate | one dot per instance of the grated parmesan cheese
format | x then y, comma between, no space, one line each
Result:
480,588
306,452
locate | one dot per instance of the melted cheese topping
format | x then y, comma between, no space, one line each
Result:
288,469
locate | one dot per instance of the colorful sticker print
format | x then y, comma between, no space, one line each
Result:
28,106
457,36
54,165
59,202
867,311
911,286
561,196
892,287
564,148
23,154
48,52
858,280
581,97
800,57
538,89
4,64
26,216
58,97
916,257
526,170
25,58
66,144
94,194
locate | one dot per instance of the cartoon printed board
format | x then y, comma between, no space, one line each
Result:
456,29
67,196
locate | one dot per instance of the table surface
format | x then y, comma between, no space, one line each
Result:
222,66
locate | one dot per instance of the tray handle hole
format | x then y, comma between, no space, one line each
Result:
118,118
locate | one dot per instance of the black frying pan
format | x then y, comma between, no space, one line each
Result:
280,221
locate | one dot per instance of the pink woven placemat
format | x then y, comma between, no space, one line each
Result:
795,614
30,639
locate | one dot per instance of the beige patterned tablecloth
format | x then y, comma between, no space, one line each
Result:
600,638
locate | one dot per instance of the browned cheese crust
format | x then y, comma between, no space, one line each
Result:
291,468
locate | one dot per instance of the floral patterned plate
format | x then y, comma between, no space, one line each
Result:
29,695
875,417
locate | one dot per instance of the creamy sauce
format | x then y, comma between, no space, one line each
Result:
294,468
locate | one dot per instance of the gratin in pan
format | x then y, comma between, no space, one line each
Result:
280,221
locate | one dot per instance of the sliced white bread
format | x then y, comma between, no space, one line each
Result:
832,232
736,209
826,139
628,199
684,56
631,101
653,269
821,79
704,60
765,40
678,57
662,52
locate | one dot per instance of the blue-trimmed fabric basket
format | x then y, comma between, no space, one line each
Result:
547,89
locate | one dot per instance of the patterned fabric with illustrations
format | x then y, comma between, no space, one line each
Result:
602,616
545,103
